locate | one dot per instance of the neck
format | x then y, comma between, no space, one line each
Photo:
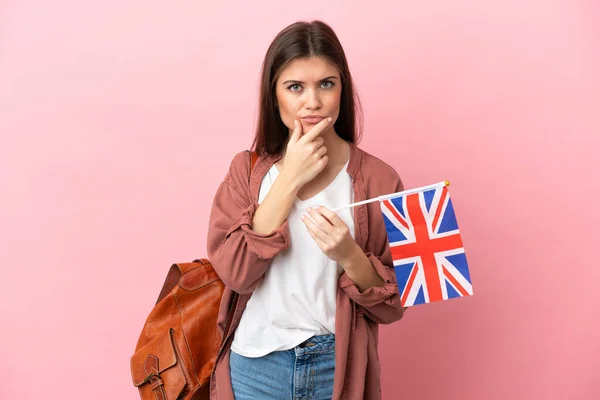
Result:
337,148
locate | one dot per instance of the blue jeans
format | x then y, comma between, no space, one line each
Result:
304,372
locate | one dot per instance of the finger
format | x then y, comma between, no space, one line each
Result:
315,231
322,245
333,218
320,242
319,141
297,133
310,219
316,130
321,151
319,219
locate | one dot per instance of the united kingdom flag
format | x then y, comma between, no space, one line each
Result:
427,249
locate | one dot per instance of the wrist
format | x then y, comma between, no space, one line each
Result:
290,182
354,257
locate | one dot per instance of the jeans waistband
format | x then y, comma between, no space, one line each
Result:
317,344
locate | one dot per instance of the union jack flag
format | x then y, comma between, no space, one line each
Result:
427,249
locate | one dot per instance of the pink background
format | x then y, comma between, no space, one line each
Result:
118,120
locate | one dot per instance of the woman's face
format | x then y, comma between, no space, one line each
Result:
308,89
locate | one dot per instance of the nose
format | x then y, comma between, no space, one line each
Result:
313,101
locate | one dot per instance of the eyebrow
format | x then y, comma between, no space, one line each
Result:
295,81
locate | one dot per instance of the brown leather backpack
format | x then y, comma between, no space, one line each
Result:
177,349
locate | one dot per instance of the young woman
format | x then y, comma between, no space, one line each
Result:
306,287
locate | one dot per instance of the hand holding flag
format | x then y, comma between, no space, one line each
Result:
426,245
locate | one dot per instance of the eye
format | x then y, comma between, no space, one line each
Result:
294,87
327,84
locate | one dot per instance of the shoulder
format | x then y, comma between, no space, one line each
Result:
239,167
378,172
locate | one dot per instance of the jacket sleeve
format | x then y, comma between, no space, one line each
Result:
379,303
239,255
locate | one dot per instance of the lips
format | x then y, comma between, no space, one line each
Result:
313,119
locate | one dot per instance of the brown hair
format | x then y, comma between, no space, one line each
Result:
301,40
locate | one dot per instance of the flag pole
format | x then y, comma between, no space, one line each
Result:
391,195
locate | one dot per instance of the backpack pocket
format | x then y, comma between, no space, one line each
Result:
156,369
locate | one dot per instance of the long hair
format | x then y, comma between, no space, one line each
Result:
302,40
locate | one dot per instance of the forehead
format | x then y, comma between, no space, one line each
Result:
308,69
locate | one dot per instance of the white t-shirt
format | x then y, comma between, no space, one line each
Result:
297,297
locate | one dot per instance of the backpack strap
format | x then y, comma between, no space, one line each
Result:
253,159
177,270
175,273
235,297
